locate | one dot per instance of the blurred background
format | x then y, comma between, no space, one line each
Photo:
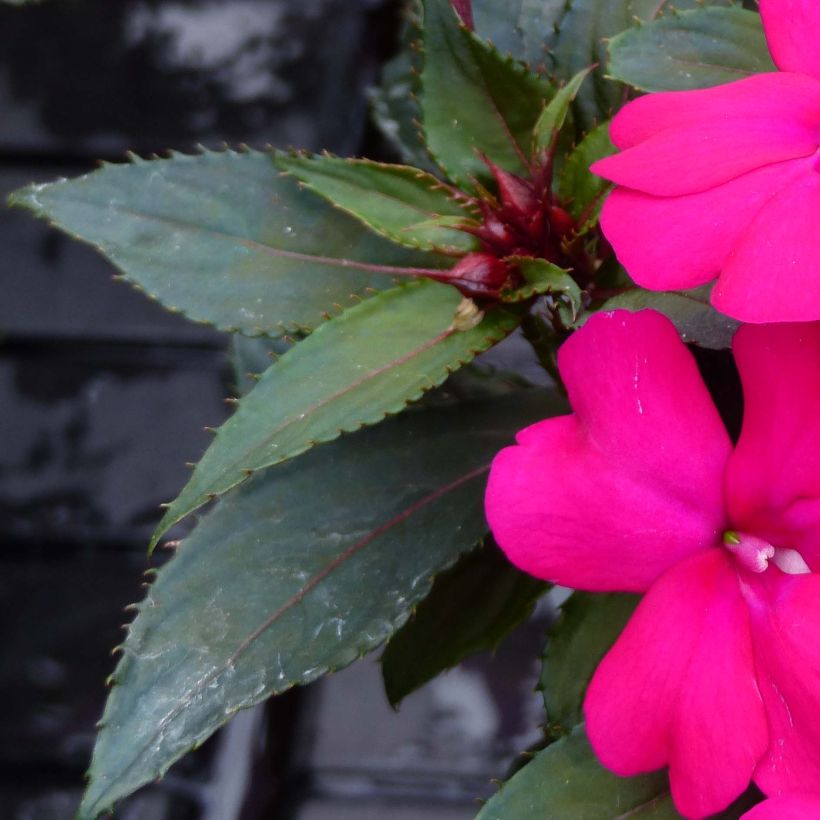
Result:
104,396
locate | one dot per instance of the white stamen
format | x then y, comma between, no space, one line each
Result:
790,561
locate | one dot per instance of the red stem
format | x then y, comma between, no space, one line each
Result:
464,9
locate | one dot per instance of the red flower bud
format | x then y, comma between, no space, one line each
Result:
481,269
515,193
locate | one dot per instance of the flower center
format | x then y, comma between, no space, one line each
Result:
754,554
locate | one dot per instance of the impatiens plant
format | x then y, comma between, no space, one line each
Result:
346,492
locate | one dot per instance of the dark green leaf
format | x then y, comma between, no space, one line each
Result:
587,628
300,572
566,782
693,49
251,356
541,276
471,608
224,238
474,100
403,204
554,115
582,35
523,28
354,370
581,191
696,320
395,102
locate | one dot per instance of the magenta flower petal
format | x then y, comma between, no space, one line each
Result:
707,153
773,272
791,97
785,620
792,28
612,496
679,688
790,807
682,143
773,477
671,243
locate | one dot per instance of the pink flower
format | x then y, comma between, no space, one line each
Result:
717,674
792,807
725,182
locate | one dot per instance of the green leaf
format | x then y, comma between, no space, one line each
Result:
354,370
690,311
555,114
587,628
302,571
403,204
693,49
471,608
581,42
474,100
523,28
565,780
224,238
581,191
541,276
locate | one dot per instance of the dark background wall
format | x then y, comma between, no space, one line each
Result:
104,396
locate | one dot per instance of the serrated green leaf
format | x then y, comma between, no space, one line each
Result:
587,628
403,204
581,42
555,114
475,100
224,238
354,370
565,780
299,572
541,276
693,49
579,190
523,28
690,311
471,608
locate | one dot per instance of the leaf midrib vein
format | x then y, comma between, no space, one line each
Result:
296,598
